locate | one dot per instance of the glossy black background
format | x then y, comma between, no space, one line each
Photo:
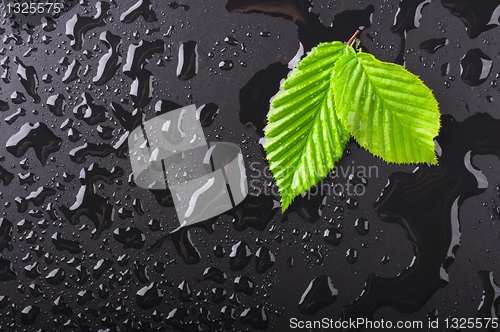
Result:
280,288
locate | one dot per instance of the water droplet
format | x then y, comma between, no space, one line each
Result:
78,26
61,307
130,237
6,270
218,295
352,203
256,317
332,236
362,226
29,79
319,294
226,65
351,255
73,247
38,136
56,276
88,203
14,116
231,41
432,45
105,132
154,225
240,256
475,67
72,72
48,24
187,66
407,18
244,284
175,5
111,61
184,292
29,314
101,267
214,274
35,290
17,97
32,271
264,260
477,19
142,8
219,251
57,104
84,296
149,296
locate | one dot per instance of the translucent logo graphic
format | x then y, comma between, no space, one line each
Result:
170,151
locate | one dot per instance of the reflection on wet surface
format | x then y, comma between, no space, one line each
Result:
83,247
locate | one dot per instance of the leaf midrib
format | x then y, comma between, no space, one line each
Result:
312,129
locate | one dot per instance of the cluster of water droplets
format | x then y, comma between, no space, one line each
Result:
82,247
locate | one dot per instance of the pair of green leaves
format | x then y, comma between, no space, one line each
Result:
336,92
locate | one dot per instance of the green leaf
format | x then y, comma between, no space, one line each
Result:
386,108
335,91
304,137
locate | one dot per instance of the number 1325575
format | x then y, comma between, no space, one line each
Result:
34,7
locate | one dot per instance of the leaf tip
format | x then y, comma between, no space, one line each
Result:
286,201
434,160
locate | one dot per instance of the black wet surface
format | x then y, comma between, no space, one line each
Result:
82,248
